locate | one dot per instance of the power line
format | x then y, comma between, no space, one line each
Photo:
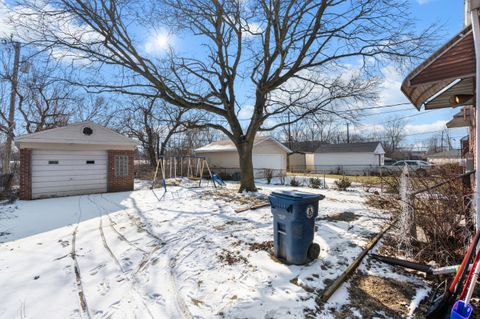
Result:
282,116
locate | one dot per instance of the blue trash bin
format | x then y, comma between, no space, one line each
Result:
294,225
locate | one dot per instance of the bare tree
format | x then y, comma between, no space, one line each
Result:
153,123
9,76
393,135
293,55
44,102
95,108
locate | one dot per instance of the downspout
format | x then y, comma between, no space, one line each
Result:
476,41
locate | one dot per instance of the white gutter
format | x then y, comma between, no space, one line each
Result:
476,41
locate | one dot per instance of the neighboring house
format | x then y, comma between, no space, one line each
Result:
447,157
81,158
353,157
268,153
297,162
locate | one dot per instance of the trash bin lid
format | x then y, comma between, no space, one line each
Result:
297,195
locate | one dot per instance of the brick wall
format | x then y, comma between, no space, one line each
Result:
119,183
25,173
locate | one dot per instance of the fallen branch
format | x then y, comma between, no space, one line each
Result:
353,266
252,207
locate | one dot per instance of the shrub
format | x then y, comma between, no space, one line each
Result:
282,178
315,182
268,174
294,181
442,215
343,183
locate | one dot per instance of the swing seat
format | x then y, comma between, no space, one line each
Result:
217,179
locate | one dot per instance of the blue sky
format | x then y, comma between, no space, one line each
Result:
446,13
449,15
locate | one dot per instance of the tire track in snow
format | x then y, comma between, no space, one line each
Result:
76,267
131,279
179,301
146,255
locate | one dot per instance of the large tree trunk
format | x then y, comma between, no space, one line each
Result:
151,154
247,180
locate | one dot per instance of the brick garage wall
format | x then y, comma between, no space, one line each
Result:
25,173
119,183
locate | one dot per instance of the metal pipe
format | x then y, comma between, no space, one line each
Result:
473,282
476,41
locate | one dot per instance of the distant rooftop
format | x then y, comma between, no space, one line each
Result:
348,147
227,145
447,154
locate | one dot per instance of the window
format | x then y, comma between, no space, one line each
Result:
90,162
121,165
52,162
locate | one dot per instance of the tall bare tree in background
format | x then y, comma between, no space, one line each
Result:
8,77
39,96
154,123
304,56
393,135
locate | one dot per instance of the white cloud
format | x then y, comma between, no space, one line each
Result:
429,127
245,112
5,27
422,2
159,43
409,128
389,90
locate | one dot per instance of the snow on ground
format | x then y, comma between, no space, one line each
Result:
187,255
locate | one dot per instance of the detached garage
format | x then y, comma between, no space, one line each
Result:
82,158
268,153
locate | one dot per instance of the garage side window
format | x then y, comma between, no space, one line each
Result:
121,165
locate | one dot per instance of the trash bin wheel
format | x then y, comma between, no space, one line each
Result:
313,251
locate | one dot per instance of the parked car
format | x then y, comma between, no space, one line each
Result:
389,162
420,167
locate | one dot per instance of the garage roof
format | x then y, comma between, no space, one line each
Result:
349,147
77,133
228,146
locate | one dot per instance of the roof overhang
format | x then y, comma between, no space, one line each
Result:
461,119
446,73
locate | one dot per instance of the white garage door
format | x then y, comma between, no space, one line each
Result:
61,173
272,161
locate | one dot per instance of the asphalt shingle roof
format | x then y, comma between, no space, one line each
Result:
347,147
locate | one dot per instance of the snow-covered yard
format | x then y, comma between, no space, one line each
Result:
188,255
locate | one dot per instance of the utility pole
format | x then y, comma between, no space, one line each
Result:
11,114
289,132
348,132
441,144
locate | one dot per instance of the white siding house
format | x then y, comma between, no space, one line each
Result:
356,158
268,153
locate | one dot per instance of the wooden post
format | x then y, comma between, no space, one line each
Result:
175,167
155,175
201,173
210,172
381,181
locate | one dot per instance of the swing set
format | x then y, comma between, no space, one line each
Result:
195,168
